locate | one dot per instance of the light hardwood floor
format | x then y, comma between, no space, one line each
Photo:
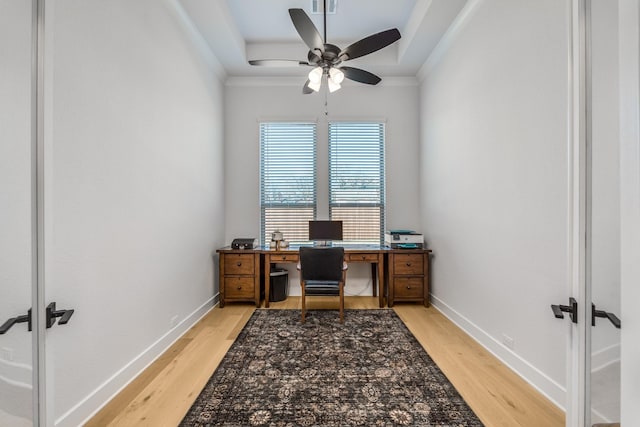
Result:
164,392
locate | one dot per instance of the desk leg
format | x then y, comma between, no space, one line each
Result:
374,271
381,281
221,278
267,279
256,279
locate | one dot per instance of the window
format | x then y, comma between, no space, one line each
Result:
287,179
356,179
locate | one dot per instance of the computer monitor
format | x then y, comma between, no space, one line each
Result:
323,232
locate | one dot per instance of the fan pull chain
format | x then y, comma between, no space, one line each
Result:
326,103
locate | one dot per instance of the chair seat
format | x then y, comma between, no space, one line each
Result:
322,287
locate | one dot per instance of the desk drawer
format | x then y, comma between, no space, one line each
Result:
238,288
362,257
292,257
238,264
408,288
405,264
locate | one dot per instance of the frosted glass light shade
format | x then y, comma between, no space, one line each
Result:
336,75
314,85
333,86
315,75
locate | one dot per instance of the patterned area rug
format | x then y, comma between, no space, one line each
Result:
370,371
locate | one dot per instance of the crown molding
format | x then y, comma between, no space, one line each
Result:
410,30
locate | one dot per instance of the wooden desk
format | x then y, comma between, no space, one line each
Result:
372,254
400,274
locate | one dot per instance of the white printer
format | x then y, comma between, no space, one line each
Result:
403,239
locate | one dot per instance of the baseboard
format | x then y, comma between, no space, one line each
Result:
88,407
540,381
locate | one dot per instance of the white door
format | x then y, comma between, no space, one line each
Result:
604,379
603,216
629,41
18,396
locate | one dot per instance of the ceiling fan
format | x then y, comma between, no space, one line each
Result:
327,58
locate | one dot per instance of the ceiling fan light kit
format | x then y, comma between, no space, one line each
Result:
327,58
335,76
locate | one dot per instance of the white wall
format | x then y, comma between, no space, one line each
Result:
494,133
249,101
134,192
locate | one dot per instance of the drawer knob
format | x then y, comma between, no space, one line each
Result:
363,257
408,264
238,263
284,257
408,287
239,287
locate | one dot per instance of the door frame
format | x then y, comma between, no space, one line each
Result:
577,208
37,213
577,347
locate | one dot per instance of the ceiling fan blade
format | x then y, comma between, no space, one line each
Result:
306,89
277,62
306,29
361,76
370,44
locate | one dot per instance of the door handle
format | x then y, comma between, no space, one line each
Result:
600,313
52,314
18,319
572,309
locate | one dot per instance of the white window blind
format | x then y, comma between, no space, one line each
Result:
356,179
287,179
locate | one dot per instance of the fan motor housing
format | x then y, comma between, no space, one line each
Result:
330,57
331,52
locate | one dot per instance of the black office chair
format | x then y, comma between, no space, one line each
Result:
322,272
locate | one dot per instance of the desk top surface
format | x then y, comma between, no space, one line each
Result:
347,247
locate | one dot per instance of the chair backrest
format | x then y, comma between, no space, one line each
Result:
321,263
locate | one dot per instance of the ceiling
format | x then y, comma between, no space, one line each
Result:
240,30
